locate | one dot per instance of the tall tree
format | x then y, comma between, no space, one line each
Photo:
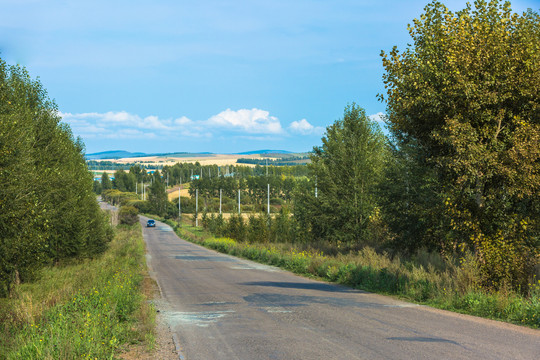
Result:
47,209
158,195
22,213
105,182
467,94
347,168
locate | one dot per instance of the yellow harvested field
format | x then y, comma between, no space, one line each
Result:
173,193
213,159
99,172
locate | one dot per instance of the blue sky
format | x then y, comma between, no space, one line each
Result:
207,75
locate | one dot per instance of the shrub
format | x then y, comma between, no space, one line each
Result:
128,215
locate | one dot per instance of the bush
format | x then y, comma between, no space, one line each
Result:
276,201
258,228
128,215
216,225
236,228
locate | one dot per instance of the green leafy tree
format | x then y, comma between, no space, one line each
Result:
347,168
158,195
97,189
236,227
105,182
22,211
466,94
411,203
48,211
119,181
128,215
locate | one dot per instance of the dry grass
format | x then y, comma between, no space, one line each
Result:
173,192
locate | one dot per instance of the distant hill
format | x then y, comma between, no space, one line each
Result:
113,154
264,152
122,154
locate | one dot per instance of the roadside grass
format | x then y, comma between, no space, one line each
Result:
425,279
90,309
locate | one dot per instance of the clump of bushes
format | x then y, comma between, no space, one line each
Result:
128,215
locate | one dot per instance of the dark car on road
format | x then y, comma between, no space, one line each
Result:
151,223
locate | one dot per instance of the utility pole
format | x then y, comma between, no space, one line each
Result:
179,204
167,179
219,201
266,167
196,207
316,194
238,201
268,203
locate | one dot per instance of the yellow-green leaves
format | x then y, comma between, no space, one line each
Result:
467,94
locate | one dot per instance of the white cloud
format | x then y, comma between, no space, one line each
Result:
124,125
254,121
378,117
303,127
182,121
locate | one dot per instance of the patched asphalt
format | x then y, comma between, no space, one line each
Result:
222,307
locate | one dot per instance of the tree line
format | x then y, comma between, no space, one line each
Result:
284,161
48,212
109,165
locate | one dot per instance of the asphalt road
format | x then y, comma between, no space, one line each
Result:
221,307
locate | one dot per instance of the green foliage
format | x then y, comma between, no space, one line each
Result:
411,203
124,181
117,197
465,95
105,181
235,227
97,188
346,169
258,229
282,227
48,211
88,309
128,215
216,224
158,196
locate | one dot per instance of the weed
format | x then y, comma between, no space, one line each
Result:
87,310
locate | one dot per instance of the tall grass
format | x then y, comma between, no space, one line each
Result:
90,309
426,278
